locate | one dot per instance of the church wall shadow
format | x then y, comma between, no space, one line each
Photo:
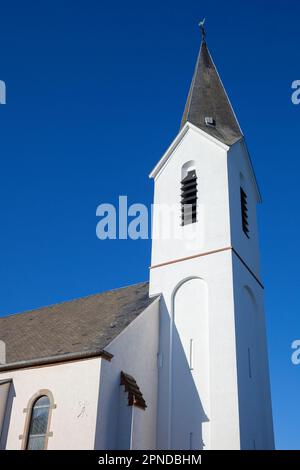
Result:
180,397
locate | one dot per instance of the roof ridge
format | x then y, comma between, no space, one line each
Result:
71,300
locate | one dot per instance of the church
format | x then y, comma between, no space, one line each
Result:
179,362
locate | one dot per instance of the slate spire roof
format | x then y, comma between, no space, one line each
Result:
207,100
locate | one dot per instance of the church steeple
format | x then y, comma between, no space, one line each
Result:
208,106
205,268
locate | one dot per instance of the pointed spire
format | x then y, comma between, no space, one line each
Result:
208,106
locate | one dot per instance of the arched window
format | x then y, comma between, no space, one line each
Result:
38,425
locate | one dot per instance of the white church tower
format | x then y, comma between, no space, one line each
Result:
214,390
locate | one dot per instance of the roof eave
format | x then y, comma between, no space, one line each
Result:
188,125
60,358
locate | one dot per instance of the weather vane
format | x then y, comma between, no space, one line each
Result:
201,24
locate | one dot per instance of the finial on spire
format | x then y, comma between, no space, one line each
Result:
201,24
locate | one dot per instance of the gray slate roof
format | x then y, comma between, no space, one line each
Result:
76,326
207,98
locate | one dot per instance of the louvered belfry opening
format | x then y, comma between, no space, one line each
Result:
189,198
244,208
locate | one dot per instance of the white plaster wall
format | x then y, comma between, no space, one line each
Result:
124,424
213,233
223,414
139,437
254,392
213,228
248,248
71,384
190,367
255,406
135,352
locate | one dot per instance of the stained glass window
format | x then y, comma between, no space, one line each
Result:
38,424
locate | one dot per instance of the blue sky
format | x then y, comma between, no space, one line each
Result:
95,93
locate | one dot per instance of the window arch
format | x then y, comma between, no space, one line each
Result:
37,422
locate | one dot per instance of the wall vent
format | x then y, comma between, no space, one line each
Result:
244,209
189,198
